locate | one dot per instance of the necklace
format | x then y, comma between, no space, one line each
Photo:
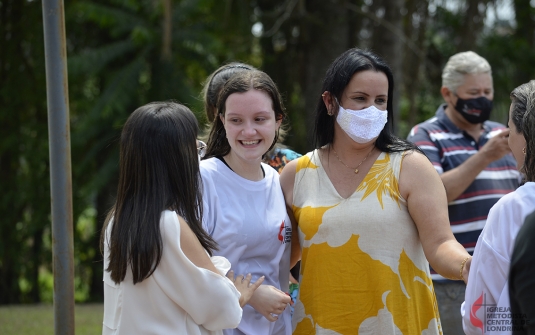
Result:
357,168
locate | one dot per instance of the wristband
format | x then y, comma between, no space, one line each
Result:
462,267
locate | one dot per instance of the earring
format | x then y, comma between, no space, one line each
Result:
524,150
328,111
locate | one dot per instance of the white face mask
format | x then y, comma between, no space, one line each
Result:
363,125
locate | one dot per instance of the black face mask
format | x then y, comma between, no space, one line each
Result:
474,110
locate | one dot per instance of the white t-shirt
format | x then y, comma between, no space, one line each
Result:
249,222
178,298
486,306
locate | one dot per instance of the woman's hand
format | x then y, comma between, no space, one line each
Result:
270,301
244,286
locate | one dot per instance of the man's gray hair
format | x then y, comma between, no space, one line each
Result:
461,64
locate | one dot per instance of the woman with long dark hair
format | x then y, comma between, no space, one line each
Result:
369,208
159,278
244,208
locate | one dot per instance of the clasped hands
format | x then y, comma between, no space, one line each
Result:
265,299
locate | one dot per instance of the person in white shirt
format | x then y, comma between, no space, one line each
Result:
244,208
487,308
158,274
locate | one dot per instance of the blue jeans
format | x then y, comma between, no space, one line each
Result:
450,296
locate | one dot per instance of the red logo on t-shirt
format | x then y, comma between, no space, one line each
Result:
473,317
281,231
285,233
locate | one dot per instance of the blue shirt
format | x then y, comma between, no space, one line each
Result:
281,157
447,147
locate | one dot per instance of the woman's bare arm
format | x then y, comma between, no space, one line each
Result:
424,191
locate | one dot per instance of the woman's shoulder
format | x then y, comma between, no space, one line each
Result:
209,163
210,167
271,176
528,189
170,221
269,172
410,158
522,197
511,209
416,170
172,226
506,218
310,157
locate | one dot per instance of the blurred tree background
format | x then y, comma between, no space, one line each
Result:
125,53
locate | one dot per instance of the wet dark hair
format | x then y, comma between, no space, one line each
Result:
217,144
158,170
523,116
336,80
215,82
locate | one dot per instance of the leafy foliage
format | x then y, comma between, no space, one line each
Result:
24,202
127,69
125,53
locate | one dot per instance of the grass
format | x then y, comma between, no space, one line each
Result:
39,319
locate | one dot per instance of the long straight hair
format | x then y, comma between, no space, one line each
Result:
158,170
336,80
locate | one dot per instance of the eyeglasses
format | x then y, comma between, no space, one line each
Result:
201,148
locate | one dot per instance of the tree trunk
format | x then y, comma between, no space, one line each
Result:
525,35
167,29
316,34
473,21
414,59
387,43
325,38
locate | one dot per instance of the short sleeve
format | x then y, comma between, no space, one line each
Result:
421,138
208,218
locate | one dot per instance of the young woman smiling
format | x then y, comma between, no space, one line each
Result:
244,208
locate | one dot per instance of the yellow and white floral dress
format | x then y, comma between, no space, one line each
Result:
363,270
